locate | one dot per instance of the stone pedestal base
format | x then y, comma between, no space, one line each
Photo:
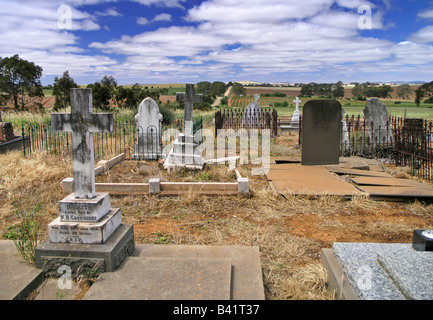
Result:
86,233
184,155
82,258
147,153
84,210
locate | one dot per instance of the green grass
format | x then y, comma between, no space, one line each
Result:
48,93
408,108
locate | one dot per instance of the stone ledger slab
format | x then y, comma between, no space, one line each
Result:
368,279
411,271
246,281
165,279
17,278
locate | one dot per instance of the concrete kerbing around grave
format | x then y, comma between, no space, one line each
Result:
155,186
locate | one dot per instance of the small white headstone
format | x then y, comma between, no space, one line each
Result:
148,121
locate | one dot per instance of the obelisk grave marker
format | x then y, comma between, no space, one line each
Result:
85,217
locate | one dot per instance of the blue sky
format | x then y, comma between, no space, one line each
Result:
179,41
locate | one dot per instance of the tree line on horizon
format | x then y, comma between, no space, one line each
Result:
20,78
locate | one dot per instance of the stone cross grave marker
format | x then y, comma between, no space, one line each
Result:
321,130
82,122
296,114
189,98
1,108
85,217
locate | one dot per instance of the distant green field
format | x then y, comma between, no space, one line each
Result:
409,111
405,108
48,93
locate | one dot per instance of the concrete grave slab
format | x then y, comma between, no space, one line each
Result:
151,278
17,277
308,180
177,265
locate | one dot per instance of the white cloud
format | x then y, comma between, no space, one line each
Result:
227,38
110,12
425,35
142,21
229,11
428,14
162,3
354,4
162,17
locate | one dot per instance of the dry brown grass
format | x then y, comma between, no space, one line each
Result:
29,183
290,231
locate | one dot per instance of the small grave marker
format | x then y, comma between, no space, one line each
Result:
148,118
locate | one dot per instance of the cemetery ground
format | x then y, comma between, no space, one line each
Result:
290,231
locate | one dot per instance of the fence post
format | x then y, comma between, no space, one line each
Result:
24,140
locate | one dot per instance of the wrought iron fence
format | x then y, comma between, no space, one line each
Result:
126,137
413,146
245,119
366,139
406,142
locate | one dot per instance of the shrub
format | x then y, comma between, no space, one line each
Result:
167,113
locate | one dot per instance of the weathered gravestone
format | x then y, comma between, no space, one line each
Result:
88,234
184,152
6,129
321,129
8,140
252,112
377,121
345,139
149,144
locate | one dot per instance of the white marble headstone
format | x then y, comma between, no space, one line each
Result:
148,115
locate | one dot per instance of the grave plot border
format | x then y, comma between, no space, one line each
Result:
155,186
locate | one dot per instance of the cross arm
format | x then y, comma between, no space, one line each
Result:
101,122
61,122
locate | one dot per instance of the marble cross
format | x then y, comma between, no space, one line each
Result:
189,98
82,122
297,101
297,113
